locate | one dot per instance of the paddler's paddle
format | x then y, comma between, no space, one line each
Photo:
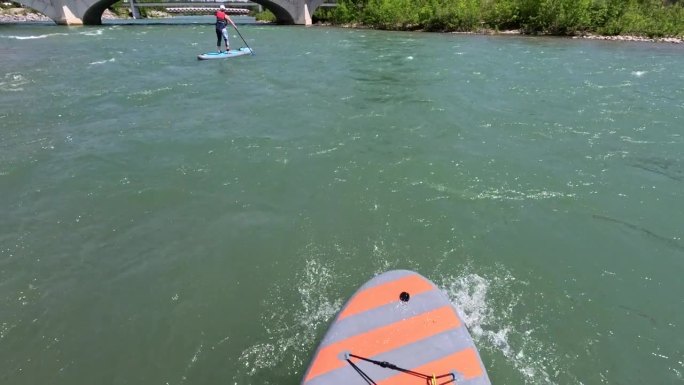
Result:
243,39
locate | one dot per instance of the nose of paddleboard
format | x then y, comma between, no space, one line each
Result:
398,321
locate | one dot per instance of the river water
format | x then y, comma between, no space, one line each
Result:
170,221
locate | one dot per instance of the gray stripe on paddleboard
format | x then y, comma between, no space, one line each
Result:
408,357
385,315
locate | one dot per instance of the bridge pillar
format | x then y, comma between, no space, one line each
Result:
134,10
69,12
303,15
64,12
304,10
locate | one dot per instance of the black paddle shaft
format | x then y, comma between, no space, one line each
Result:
243,39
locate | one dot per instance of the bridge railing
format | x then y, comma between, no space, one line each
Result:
174,6
158,3
218,2
235,7
203,2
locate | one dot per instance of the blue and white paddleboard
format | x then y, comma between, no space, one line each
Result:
225,54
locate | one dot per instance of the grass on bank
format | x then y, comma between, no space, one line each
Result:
652,18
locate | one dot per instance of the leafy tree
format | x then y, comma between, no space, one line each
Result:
558,17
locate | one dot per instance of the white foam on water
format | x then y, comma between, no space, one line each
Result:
382,259
634,141
150,92
257,357
96,32
639,73
292,330
495,327
317,307
493,193
192,362
31,37
103,61
513,195
13,82
5,329
323,152
677,373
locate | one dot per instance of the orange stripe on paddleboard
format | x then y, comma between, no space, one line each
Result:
384,339
388,292
465,362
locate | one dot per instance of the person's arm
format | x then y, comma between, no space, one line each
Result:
230,20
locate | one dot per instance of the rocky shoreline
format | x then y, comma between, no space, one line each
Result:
20,15
23,15
673,40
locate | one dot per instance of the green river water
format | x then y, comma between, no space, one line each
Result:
170,221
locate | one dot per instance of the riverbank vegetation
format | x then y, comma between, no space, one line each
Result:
264,16
652,18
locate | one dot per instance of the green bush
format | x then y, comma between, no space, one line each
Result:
503,14
322,15
649,18
266,15
344,13
558,17
390,14
450,15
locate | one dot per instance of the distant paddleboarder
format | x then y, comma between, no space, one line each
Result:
222,20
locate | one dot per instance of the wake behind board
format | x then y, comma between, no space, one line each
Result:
225,54
402,319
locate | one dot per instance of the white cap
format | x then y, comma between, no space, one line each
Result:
222,6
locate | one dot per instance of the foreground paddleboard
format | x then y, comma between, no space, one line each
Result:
403,319
225,54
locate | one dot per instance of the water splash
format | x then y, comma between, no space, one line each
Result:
487,306
292,331
192,363
513,195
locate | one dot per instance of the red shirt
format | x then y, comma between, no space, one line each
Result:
220,15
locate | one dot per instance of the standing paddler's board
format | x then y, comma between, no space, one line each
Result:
225,54
403,319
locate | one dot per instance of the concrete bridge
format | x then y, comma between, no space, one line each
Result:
89,12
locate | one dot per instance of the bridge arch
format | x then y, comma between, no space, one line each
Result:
89,12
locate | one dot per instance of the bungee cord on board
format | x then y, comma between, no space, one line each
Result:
429,380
